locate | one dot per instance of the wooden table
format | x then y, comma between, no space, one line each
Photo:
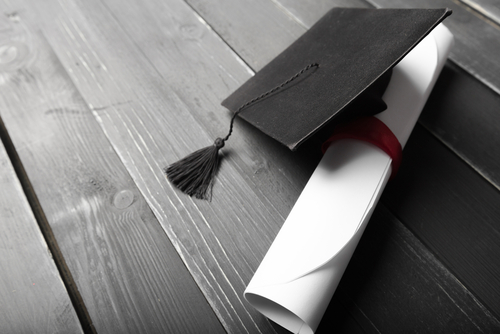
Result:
97,96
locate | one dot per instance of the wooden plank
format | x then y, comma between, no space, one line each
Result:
150,104
401,287
488,8
130,277
34,298
463,114
453,210
146,114
307,12
285,28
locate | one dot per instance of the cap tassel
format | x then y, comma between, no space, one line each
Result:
195,174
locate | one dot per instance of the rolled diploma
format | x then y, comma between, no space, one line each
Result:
301,270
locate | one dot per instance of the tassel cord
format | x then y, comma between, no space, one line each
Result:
264,95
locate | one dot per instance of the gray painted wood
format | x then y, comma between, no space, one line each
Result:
395,284
155,115
34,298
128,274
309,11
477,42
488,8
453,210
463,114
281,33
153,74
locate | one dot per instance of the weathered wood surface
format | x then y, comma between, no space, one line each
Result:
454,211
33,296
393,284
129,276
153,73
489,8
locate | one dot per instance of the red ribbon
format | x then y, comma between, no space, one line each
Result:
374,131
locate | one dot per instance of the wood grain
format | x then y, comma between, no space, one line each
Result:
147,119
284,32
400,286
153,74
34,299
155,115
307,12
130,277
488,8
463,114
453,210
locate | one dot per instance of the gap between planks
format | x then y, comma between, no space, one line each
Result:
64,272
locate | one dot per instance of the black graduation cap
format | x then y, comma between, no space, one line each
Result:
336,71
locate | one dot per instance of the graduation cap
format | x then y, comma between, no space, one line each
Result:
337,71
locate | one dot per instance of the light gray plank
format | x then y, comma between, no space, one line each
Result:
155,115
309,11
282,31
129,276
34,298
156,95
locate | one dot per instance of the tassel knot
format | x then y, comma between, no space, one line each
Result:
195,174
219,143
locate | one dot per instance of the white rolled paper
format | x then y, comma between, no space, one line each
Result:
299,274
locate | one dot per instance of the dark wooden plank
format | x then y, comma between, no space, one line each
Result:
488,8
130,277
453,210
401,287
463,113
34,299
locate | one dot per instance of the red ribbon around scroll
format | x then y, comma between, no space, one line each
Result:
371,130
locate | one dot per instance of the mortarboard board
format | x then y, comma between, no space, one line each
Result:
354,48
336,71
